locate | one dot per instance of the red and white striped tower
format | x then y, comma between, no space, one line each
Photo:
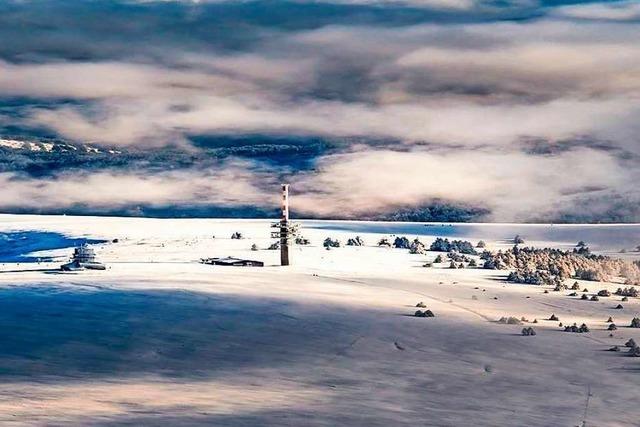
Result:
284,226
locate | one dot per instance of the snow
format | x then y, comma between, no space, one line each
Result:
32,146
11,143
47,146
160,339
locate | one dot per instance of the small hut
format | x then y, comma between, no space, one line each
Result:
83,258
232,262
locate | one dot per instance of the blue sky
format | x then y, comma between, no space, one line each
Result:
527,110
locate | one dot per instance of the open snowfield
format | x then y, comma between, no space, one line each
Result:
160,339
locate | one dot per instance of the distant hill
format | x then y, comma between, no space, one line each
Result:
41,157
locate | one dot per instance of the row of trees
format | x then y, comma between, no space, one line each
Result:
551,266
461,246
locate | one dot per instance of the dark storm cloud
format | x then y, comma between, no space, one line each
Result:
101,30
34,30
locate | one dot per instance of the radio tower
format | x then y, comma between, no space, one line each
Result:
284,226
286,229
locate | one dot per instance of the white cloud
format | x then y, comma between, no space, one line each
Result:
232,184
514,186
487,84
611,11
443,121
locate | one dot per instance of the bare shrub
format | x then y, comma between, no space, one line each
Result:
331,243
426,313
510,320
627,292
577,329
401,243
417,247
384,242
355,241
528,331
302,241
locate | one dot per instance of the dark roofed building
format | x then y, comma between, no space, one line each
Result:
233,262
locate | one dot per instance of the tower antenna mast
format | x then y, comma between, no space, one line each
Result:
286,229
284,226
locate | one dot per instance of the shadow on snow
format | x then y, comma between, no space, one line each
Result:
16,246
74,331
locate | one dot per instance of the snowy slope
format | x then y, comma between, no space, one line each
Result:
159,339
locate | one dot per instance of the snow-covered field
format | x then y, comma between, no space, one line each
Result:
160,339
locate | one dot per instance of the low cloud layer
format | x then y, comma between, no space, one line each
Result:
610,11
231,184
525,117
510,184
